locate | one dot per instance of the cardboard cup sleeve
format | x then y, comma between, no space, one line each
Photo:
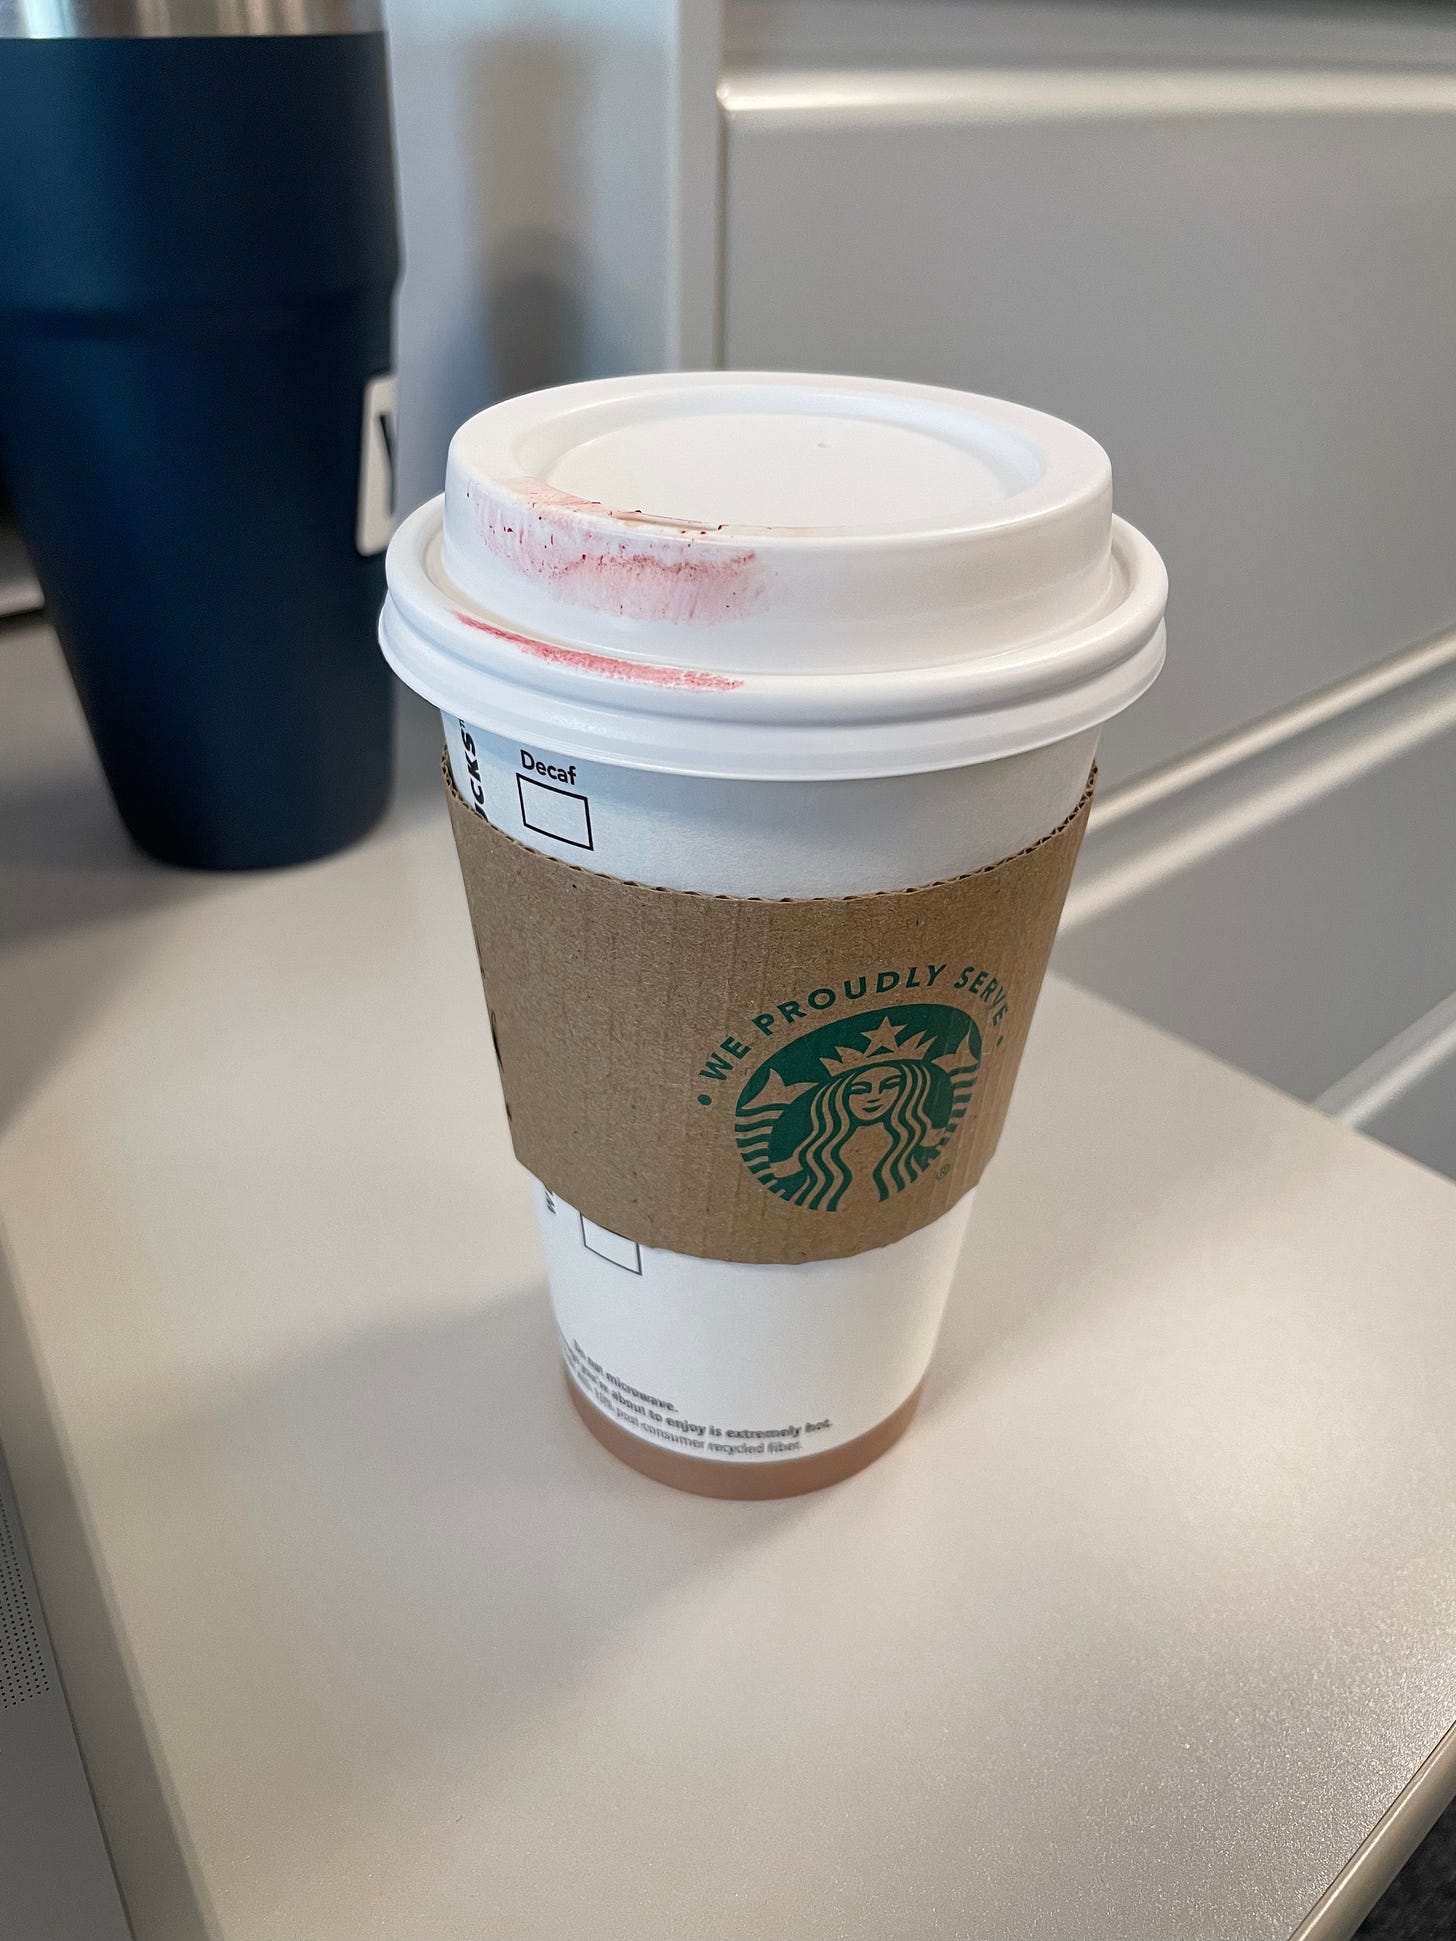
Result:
755,1079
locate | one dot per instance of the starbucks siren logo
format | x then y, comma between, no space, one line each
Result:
870,1099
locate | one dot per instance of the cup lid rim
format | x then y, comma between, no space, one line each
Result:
1063,467
761,723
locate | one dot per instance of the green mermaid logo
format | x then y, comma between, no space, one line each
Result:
874,1098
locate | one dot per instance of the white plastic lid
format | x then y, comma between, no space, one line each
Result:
772,575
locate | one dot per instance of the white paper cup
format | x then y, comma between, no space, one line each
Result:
771,636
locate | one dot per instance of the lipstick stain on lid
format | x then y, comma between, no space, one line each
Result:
608,666
659,569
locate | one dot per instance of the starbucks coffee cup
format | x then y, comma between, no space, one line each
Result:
770,703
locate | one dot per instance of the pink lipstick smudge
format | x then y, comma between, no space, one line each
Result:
607,665
662,571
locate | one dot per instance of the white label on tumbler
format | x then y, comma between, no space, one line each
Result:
374,523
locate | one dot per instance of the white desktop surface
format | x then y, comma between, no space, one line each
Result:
1135,1637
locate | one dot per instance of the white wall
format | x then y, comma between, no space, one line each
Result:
538,145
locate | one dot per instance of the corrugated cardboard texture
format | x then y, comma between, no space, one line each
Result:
746,1079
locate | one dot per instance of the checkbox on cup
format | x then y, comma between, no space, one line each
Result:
555,812
611,1246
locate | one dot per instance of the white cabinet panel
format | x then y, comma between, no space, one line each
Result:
1406,1093
1241,282
1300,952
1422,1122
794,33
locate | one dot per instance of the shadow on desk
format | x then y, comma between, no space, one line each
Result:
67,866
67,863
374,1564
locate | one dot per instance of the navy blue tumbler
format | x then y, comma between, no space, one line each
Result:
198,257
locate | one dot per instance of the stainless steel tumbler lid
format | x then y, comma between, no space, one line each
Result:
177,19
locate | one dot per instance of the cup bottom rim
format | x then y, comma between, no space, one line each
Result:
745,1482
